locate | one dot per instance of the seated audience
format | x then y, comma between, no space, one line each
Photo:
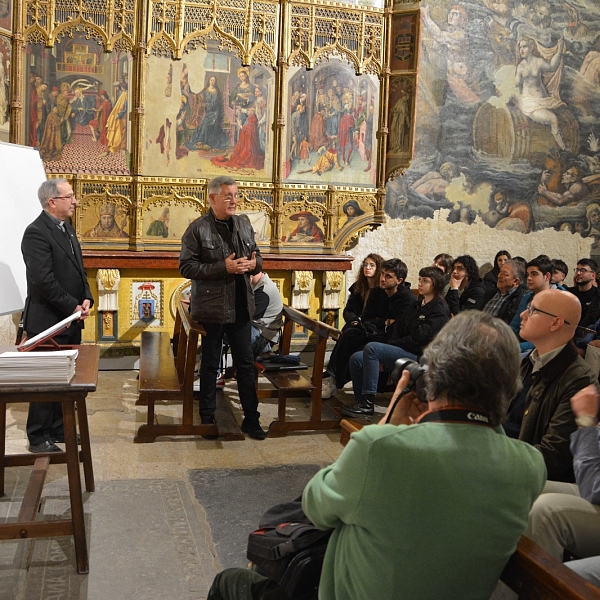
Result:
510,289
358,294
567,516
466,290
541,413
560,274
491,279
539,273
431,505
410,334
385,304
586,290
267,321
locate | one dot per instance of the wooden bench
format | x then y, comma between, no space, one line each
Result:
167,374
531,572
295,384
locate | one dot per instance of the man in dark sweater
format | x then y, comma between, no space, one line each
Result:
585,286
385,304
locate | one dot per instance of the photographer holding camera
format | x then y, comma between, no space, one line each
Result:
431,504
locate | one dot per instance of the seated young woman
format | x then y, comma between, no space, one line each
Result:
466,290
491,278
410,334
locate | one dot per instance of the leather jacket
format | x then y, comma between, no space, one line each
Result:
202,259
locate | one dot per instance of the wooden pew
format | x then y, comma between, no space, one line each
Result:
167,374
294,384
531,572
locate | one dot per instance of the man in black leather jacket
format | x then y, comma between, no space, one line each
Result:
219,253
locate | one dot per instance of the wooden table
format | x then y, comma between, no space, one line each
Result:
72,396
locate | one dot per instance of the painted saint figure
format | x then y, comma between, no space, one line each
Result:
117,121
210,133
307,230
160,227
106,226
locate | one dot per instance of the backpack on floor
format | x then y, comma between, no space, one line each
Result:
289,549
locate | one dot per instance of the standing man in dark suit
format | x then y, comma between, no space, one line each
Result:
56,288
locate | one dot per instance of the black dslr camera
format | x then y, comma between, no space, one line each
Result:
416,371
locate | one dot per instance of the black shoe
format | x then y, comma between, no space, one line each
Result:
253,429
208,421
365,408
46,446
60,439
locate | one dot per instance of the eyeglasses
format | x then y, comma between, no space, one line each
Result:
230,197
369,266
532,309
67,197
583,271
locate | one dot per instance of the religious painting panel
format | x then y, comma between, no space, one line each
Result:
6,15
332,117
401,108
507,128
208,115
257,205
303,219
105,219
77,105
5,62
165,219
404,40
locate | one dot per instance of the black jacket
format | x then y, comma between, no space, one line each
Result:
419,325
202,259
381,307
472,298
354,306
56,279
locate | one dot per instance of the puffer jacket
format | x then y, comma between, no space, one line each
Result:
202,259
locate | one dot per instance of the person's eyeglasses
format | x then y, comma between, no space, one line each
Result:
369,265
583,271
230,197
532,309
67,197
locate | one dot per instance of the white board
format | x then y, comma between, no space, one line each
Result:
21,174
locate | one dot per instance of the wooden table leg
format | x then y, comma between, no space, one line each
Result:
2,444
86,451
74,477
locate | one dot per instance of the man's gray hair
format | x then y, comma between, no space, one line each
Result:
214,186
474,362
49,189
518,269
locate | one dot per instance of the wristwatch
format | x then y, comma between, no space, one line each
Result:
586,421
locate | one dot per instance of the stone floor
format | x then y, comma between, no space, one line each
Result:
148,536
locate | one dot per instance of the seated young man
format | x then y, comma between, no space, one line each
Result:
431,504
385,304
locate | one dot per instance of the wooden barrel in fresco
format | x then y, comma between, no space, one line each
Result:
508,134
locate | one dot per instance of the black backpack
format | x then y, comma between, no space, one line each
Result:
289,549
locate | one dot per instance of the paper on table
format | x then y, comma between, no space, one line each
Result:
48,332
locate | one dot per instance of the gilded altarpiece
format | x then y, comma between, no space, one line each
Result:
139,103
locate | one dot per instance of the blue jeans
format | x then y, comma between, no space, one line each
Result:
364,366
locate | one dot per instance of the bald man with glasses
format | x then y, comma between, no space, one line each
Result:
551,374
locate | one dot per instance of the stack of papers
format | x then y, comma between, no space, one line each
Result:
34,368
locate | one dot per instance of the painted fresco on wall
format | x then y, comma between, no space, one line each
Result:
6,15
76,108
5,62
332,117
207,115
508,116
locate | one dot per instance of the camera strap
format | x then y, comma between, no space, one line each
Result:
458,414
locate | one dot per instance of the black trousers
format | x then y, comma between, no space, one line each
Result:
238,336
45,419
352,340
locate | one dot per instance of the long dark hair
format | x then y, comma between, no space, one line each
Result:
496,268
468,262
437,278
362,283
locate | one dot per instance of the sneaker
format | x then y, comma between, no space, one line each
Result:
253,429
328,388
220,381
